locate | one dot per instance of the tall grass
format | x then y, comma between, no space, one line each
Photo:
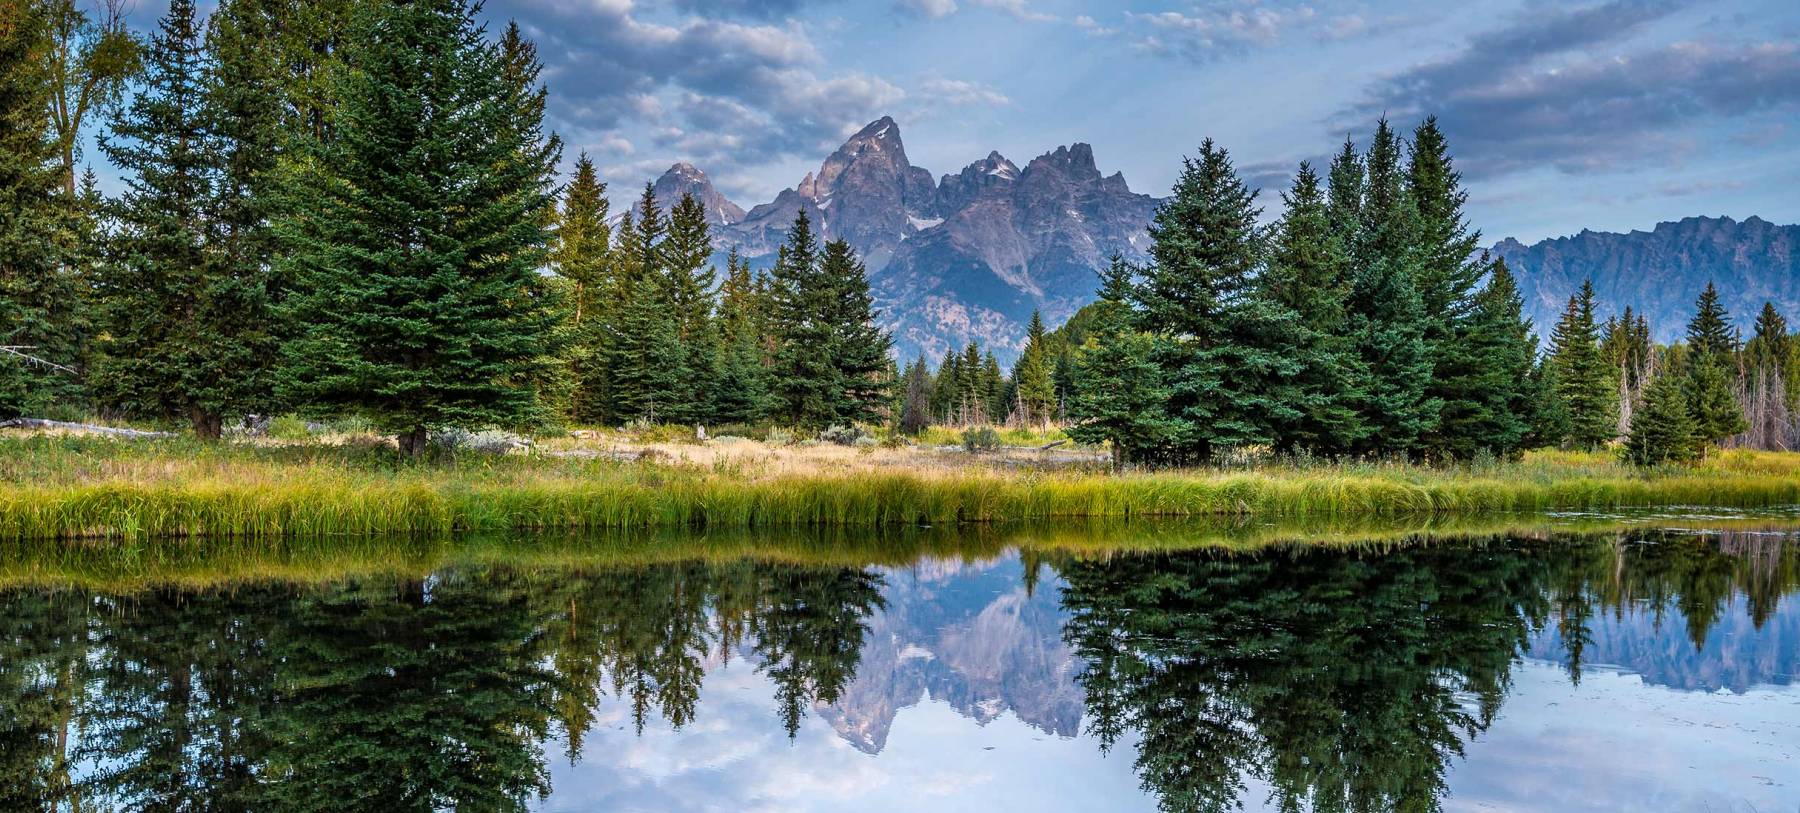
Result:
68,488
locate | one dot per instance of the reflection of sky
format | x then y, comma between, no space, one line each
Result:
735,757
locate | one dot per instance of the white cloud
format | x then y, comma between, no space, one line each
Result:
932,9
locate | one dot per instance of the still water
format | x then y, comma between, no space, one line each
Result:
1623,671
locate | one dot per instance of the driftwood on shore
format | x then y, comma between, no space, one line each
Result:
40,423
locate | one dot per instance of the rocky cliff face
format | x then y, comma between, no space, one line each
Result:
967,257
1662,271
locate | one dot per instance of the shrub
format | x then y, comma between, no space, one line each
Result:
981,439
289,427
845,435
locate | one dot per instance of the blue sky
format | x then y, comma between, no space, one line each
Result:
1604,115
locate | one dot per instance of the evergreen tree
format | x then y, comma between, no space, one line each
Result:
1118,396
186,336
41,305
1388,321
993,388
1450,269
804,381
1308,276
1228,384
1709,333
857,347
946,388
1344,201
582,259
645,361
1712,347
1584,385
740,301
417,231
1663,431
742,394
1491,363
1032,376
1717,415
687,257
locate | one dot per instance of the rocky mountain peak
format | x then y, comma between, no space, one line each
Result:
683,178
1075,161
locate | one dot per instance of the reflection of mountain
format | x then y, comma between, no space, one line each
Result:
971,637
1737,655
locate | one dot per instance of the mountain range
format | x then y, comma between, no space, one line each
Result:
969,256
965,257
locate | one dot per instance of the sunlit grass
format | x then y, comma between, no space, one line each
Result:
75,487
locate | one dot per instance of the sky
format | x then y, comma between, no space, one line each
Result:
1609,115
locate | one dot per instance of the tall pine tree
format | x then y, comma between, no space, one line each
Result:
186,336
416,232
1584,387
1036,399
1117,395
857,346
583,260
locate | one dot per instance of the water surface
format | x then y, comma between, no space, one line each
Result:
1628,670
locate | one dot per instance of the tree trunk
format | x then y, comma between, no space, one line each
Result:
412,444
207,426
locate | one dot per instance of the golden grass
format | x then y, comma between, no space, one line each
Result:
70,488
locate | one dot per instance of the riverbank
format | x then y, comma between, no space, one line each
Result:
69,487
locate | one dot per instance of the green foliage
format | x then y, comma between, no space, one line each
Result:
829,357
1584,385
1117,395
1491,361
1716,412
1663,431
1710,333
916,397
980,439
583,260
415,235
1032,375
184,293
42,310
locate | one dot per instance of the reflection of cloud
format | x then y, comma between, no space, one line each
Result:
1614,744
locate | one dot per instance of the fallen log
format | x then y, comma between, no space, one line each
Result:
40,423
1051,445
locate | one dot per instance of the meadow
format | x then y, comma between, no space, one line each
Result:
61,486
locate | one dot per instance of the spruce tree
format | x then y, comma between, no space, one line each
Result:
687,257
1709,332
1717,415
1450,268
1344,201
1308,275
971,383
857,346
1663,431
803,379
185,333
1491,362
416,233
1388,324
583,260
41,303
1117,396
1712,349
645,363
1032,376
1584,386
1228,385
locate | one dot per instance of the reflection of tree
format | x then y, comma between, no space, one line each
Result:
43,643
809,634
413,695
1345,682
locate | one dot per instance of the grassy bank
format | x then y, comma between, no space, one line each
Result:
129,566
73,487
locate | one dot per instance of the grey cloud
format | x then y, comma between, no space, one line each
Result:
719,92
1563,90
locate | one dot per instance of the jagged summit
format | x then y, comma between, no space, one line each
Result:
965,257
683,178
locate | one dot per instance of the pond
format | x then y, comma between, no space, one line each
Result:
1626,670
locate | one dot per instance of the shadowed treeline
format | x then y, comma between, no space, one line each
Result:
1348,677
